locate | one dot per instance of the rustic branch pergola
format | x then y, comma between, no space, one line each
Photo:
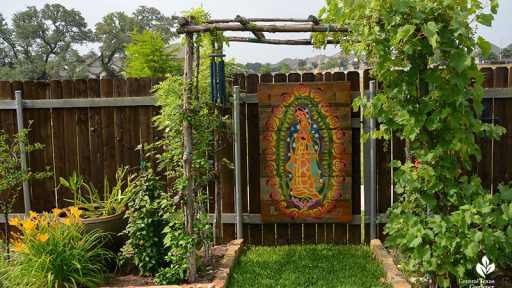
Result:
239,23
277,25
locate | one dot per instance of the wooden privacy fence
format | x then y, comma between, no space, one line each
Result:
97,133
92,135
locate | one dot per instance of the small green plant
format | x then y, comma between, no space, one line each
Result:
12,175
158,243
87,197
146,224
55,252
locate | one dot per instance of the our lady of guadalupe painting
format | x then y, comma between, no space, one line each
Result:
306,152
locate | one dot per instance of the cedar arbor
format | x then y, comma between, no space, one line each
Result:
253,25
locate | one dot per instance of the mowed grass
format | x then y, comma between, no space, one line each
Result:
321,266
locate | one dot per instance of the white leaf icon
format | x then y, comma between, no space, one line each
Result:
485,261
480,269
486,268
490,268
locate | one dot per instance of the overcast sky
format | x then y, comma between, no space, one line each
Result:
94,10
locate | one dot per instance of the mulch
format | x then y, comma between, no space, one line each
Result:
206,271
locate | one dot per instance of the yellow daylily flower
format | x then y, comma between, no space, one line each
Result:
56,211
26,250
28,225
33,215
14,222
67,221
18,246
75,211
42,237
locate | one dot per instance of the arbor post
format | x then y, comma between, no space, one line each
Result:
187,153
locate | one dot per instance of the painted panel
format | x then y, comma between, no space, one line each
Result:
305,152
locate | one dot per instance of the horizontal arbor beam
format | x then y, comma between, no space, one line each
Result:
247,23
294,20
262,28
274,41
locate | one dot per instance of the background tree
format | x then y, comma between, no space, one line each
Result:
149,18
113,33
40,40
506,53
148,56
284,68
266,69
253,67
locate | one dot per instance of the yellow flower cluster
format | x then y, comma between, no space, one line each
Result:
37,228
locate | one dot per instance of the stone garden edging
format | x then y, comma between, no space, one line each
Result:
393,275
222,276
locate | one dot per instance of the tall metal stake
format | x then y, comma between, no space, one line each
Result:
238,162
373,168
19,118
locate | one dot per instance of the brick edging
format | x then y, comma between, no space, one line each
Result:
393,275
222,276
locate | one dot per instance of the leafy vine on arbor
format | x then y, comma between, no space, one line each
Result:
421,53
179,243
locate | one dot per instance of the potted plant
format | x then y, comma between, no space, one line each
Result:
103,211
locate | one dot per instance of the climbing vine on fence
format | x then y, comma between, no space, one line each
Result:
421,52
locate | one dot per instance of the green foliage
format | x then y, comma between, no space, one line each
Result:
146,224
113,33
87,197
54,253
312,266
39,44
421,53
284,68
180,243
148,56
506,53
266,69
157,241
12,175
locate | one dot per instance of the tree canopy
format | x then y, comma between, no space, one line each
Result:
113,33
148,56
40,44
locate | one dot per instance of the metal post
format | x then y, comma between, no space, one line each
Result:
19,118
238,162
373,168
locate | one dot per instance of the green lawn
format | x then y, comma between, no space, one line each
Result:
319,266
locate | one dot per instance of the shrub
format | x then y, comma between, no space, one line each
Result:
55,253
145,225
158,243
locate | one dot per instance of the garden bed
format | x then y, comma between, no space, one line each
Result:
312,266
213,274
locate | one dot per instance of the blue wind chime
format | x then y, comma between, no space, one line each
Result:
217,79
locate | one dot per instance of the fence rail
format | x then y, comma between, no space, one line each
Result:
94,126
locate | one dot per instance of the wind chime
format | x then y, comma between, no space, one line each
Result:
218,79
219,100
